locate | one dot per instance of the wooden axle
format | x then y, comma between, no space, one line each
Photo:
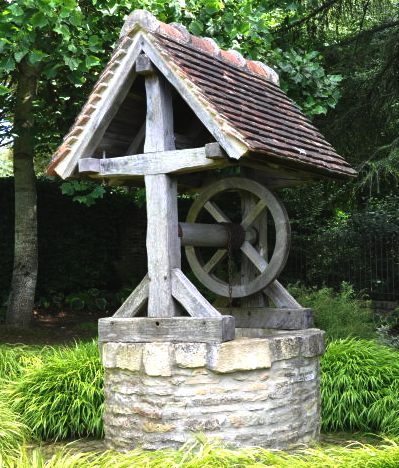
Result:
215,235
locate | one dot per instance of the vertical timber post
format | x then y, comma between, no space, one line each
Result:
163,243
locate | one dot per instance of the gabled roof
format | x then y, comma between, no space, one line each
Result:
238,100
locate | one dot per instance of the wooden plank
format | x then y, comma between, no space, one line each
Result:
160,162
111,100
280,296
172,329
189,296
163,244
137,141
89,165
135,302
265,317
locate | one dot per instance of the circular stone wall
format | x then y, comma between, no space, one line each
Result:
246,392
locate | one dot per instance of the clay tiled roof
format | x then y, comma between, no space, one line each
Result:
243,95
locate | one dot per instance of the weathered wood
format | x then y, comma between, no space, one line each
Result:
189,296
172,329
111,100
135,302
144,66
280,296
137,141
214,151
265,317
234,147
216,212
89,165
163,245
248,271
269,271
163,162
253,213
209,235
159,135
216,258
255,257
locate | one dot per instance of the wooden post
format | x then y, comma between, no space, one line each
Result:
163,244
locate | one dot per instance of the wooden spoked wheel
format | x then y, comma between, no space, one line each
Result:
263,201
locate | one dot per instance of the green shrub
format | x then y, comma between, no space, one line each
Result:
13,432
360,387
339,314
213,456
62,395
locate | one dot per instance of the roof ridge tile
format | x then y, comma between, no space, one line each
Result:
179,32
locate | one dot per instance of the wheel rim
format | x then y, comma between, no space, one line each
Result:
268,270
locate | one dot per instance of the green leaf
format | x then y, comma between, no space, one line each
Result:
16,10
38,20
37,56
4,90
7,64
19,55
196,27
92,61
72,62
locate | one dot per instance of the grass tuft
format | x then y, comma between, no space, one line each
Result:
360,387
206,455
61,395
13,433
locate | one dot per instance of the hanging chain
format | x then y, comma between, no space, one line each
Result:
230,263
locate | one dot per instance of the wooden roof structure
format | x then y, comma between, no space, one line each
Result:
237,101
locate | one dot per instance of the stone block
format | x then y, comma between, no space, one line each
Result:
157,358
313,343
122,356
190,354
239,355
285,347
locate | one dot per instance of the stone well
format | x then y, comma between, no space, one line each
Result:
261,391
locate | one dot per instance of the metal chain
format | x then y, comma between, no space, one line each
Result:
230,264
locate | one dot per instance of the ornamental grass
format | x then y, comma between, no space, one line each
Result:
206,455
360,387
61,395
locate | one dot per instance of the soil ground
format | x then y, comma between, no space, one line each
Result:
56,328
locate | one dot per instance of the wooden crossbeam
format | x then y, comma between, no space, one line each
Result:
158,162
268,317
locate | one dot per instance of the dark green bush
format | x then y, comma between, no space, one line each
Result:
61,395
360,387
339,314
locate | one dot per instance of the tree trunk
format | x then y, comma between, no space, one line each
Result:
23,286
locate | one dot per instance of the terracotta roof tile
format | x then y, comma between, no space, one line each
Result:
242,95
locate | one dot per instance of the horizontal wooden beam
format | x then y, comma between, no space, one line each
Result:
174,329
268,317
163,162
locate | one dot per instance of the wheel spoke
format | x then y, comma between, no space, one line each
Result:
253,213
254,256
217,257
216,212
